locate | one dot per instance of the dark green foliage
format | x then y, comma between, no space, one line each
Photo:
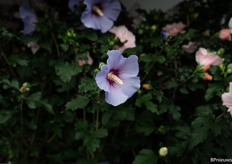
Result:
52,111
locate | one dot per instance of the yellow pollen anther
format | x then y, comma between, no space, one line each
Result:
98,11
114,78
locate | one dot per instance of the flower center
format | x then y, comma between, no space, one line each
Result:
97,10
114,78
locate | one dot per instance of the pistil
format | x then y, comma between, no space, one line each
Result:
98,10
114,78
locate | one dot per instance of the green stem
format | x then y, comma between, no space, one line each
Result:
97,119
8,63
218,117
56,44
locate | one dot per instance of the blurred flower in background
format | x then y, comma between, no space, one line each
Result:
100,14
124,35
29,19
174,28
227,99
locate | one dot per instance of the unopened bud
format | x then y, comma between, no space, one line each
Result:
163,151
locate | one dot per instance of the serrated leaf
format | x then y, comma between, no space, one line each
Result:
212,90
91,143
66,70
145,156
77,103
152,107
87,85
200,126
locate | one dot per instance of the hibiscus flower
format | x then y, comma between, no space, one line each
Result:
29,19
124,34
100,14
227,99
119,77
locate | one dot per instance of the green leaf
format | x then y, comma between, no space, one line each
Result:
100,133
7,84
89,34
48,107
91,143
5,116
77,103
87,85
152,107
145,156
18,59
200,126
212,90
33,100
66,70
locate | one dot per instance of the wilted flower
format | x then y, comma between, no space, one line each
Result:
175,28
190,47
124,34
203,57
227,99
72,4
29,18
163,151
83,62
225,34
100,14
119,77
34,47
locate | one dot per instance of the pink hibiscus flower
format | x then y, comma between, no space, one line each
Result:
203,57
227,99
190,47
225,34
83,62
34,47
124,34
174,29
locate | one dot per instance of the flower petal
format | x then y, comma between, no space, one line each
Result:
130,67
115,60
101,79
111,9
115,97
130,86
96,22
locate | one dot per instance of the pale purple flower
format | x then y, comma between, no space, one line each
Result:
72,4
100,14
227,99
29,19
119,77
34,47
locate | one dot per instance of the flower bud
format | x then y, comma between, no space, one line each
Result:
153,27
163,151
